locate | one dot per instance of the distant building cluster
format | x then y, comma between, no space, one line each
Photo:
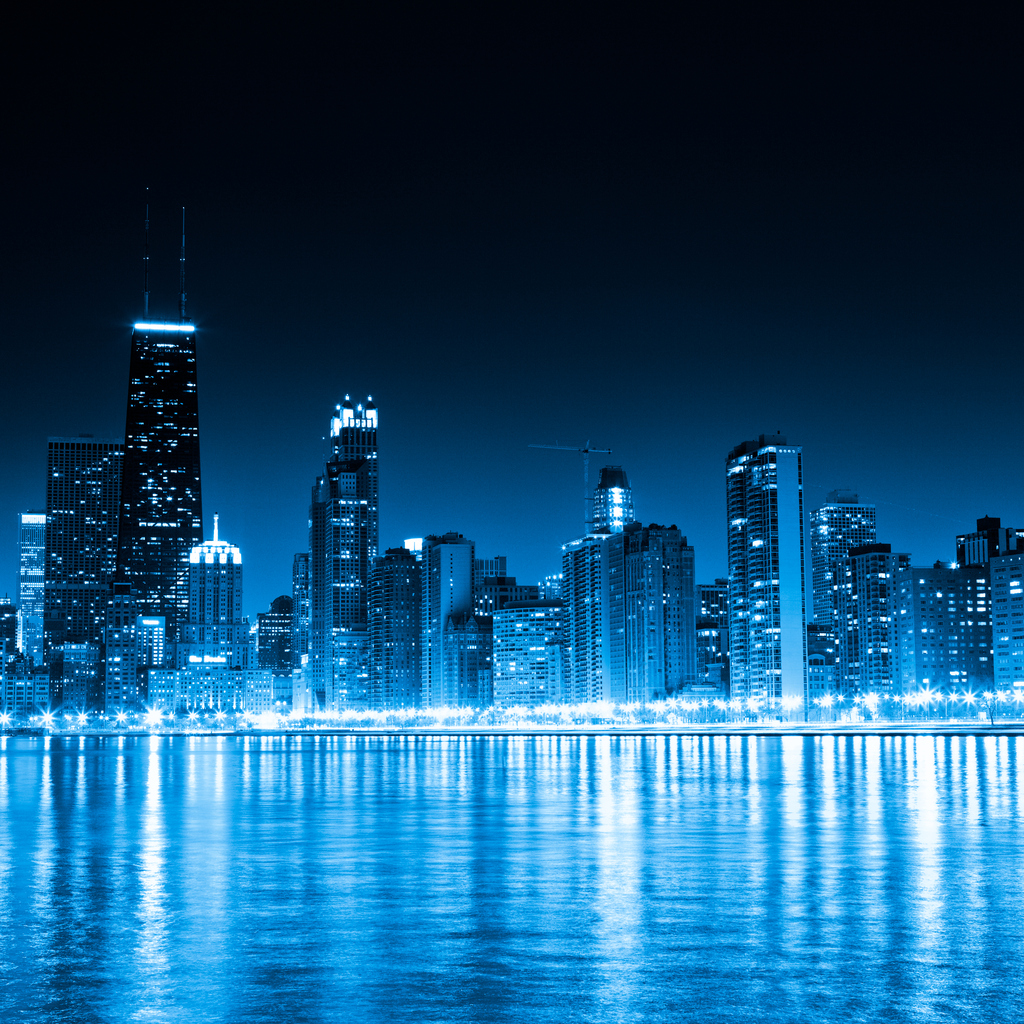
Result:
123,606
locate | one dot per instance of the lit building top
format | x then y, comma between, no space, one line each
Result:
613,501
145,326
215,551
347,415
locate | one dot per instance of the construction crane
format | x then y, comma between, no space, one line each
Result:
586,450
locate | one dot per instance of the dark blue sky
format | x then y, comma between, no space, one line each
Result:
663,235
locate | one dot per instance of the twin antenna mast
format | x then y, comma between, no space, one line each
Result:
145,265
181,272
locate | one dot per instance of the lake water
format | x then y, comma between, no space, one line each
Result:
362,878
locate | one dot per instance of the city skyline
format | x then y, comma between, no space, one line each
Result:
660,237
534,549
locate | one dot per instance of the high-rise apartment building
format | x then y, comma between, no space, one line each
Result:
945,628
867,620
395,609
448,563
1007,577
586,623
613,501
842,523
528,654
83,487
660,624
31,583
343,538
161,513
765,524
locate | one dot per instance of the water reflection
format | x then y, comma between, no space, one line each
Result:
511,878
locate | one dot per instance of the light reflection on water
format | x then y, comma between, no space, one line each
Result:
511,878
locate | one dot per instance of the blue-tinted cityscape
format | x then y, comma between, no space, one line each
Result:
511,515
126,614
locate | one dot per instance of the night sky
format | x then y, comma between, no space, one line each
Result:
666,236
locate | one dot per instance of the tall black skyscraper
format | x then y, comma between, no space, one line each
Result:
161,516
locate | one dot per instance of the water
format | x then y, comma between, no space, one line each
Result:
511,879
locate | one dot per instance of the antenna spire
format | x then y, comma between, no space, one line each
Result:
215,520
145,264
181,289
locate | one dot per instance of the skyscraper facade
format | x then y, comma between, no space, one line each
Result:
712,611
448,563
354,438
528,654
161,513
343,538
867,620
215,632
395,609
1007,574
466,661
31,583
300,608
660,624
274,635
586,661
767,614
83,487
124,690
946,615
842,523
613,501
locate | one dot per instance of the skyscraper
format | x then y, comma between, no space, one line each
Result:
395,608
354,437
947,616
867,620
216,657
83,487
528,653
840,524
712,612
765,528
586,651
466,661
447,565
215,631
613,501
1007,575
300,608
343,537
275,636
31,583
660,626
161,516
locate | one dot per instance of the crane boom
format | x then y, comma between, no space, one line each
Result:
585,450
